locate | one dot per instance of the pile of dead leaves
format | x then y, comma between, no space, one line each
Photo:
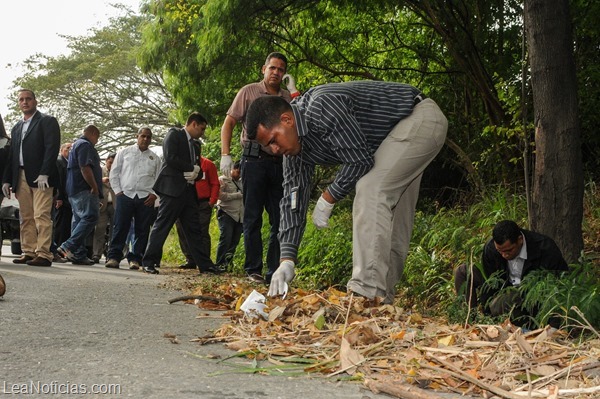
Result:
398,352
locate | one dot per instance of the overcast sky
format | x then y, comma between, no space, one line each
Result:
33,26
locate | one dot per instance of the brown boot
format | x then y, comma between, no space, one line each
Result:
2,286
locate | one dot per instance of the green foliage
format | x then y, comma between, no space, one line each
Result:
557,296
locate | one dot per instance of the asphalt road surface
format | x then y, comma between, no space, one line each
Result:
72,329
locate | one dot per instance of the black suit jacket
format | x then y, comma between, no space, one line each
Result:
176,154
542,253
61,165
40,144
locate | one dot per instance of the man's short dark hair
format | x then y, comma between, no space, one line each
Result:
196,117
29,90
280,56
506,230
237,165
143,129
111,155
265,111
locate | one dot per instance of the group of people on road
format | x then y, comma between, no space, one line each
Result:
381,134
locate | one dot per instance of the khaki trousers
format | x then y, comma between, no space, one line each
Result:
35,209
386,198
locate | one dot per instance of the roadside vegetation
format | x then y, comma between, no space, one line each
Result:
443,238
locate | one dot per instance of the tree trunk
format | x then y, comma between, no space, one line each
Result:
557,203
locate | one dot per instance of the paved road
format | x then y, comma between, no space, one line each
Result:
91,325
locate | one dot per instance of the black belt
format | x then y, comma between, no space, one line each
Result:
254,150
419,97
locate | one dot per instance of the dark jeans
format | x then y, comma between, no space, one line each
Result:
85,207
231,232
126,210
262,179
185,208
204,216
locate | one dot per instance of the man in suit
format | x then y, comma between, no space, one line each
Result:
511,254
175,186
31,173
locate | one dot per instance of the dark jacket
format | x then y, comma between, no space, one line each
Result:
61,165
40,146
176,154
542,253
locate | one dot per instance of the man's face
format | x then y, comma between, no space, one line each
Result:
196,130
109,162
273,72
510,250
144,139
27,104
282,139
65,151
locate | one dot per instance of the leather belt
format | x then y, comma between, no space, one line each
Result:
419,97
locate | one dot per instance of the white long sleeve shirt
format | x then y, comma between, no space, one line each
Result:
134,172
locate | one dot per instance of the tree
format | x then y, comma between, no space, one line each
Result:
557,205
100,83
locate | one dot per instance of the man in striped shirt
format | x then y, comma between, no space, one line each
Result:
383,135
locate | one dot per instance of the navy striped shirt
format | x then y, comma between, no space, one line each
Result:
338,124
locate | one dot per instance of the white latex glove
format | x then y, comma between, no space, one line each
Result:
226,165
280,279
192,175
290,84
321,213
42,182
6,190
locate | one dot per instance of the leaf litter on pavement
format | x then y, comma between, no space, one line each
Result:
398,352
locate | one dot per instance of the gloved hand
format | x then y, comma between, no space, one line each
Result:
42,182
226,165
290,84
192,175
282,276
321,213
6,190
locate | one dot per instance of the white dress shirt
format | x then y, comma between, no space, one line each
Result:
134,172
515,266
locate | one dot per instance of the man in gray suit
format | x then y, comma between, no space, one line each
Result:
176,188
31,173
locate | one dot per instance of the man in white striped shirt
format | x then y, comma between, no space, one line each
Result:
383,135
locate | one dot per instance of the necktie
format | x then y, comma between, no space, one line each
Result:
193,151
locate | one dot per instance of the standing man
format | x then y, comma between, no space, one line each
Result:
229,215
383,135
84,179
62,208
106,213
31,173
178,199
132,176
207,189
262,172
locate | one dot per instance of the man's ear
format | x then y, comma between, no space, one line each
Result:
287,118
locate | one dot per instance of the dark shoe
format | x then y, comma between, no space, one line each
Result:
257,278
65,253
212,270
58,259
96,259
39,261
150,270
23,259
187,266
84,262
134,265
2,286
112,264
